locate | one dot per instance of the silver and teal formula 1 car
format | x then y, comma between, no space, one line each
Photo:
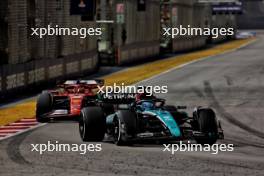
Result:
149,120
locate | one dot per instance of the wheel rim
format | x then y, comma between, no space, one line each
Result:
82,127
116,130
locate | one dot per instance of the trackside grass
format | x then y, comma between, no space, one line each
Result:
128,76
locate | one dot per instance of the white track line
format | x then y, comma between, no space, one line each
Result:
18,127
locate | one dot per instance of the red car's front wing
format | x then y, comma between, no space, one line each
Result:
62,114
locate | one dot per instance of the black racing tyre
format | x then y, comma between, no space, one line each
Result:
125,124
92,124
207,124
44,105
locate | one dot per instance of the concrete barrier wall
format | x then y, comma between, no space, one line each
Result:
143,32
223,21
16,77
22,15
189,13
31,60
138,51
188,43
197,15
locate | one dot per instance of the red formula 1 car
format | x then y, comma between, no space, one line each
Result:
67,100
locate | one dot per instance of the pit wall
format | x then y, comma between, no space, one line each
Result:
142,31
190,12
25,14
17,77
137,51
33,61
224,21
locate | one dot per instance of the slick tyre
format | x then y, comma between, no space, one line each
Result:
44,105
207,124
125,127
92,124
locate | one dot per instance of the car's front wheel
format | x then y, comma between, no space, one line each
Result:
207,124
44,106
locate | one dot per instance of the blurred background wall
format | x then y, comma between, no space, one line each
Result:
28,61
132,31
253,15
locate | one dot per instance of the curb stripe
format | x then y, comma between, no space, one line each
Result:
23,124
8,131
13,127
3,135
27,120
17,127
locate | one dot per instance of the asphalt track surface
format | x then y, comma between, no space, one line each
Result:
232,84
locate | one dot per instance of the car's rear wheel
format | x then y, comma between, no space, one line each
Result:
92,124
207,124
44,106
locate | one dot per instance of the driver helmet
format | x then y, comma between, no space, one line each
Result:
147,105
